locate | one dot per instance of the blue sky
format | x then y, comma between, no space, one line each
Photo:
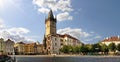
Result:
88,20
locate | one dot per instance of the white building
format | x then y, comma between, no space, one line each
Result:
6,47
40,49
9,46
113,39
53,44
69,40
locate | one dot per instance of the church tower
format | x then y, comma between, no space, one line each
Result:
50,24
50,30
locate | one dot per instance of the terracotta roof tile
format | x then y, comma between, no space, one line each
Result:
113,38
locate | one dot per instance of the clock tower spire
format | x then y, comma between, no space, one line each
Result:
50,24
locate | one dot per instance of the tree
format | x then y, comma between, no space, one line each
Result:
73,49
118,47
84,49
104,49
90,48
96,48
77,48
65,49
112,47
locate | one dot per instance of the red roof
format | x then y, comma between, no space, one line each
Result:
66,35
113,38
60,35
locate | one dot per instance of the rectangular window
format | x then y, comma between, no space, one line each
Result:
55,39
61,40
53,48
55,44
61,43
48,47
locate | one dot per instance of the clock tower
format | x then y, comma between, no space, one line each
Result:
50,24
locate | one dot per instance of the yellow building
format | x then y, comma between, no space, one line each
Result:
2,46
19,48
30,48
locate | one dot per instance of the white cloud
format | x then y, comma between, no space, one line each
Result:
64,5
43,10
59,6
77,11
16,33
64,16
10,4
93,38
1,3
77,33
92,32
80,34
1,23
97,37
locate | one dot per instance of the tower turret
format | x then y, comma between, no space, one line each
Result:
50,15
50,23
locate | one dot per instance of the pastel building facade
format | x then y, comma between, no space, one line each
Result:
9,47
6,47
19,48
2,46
28,48
40,49
113,39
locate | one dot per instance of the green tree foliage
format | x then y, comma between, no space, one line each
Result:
112,47
70,49
104,49
84,49
73,49
96,48
90,48
77,48
65,49
118,47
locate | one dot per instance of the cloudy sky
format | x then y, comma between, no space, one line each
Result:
88,20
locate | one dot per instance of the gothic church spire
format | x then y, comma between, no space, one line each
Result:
50,15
